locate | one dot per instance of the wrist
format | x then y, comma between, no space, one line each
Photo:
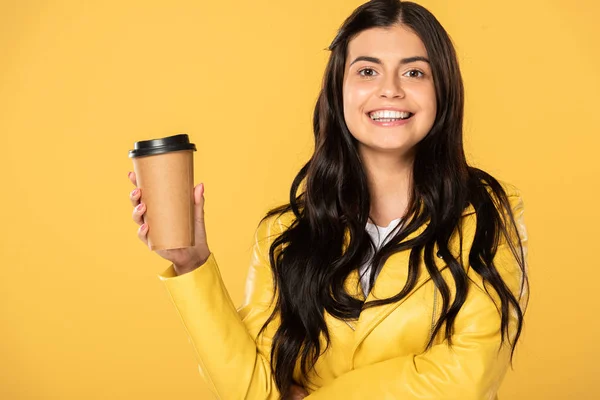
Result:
185,268
180,269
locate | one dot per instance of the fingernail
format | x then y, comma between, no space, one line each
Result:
143,227
135,192
139,207
201,189
129,174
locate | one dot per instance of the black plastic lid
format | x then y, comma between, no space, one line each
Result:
162,145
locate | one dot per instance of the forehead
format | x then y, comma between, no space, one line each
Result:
393,42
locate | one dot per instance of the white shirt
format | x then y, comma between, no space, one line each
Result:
379,236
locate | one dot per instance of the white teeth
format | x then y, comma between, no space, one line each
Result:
387,114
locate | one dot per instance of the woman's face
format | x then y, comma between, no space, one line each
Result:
388,69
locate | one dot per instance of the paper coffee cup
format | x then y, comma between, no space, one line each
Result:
164,170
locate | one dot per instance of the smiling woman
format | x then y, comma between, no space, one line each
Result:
443,296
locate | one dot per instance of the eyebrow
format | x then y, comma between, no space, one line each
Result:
402,62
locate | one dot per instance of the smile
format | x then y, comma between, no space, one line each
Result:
383,115
390,120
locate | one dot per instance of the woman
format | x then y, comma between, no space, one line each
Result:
398,271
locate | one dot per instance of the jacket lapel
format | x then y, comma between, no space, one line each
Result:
390,281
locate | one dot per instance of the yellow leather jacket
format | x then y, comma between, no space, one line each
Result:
379,356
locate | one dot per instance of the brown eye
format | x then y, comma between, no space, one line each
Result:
367,69
414,73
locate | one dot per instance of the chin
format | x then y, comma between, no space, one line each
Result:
399,148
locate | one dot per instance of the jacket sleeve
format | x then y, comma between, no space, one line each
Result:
472,369
225,338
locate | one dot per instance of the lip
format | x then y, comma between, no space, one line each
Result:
388,108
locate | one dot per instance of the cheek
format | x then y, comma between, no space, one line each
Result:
355,97
433,101
428,101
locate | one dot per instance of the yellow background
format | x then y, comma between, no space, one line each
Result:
82,312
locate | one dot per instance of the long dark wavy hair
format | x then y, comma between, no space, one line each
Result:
308,259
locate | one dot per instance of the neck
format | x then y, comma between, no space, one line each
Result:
389,179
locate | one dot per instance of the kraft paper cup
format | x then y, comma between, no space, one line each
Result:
164,170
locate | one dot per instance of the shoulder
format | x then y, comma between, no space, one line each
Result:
509,261
513,194
510,189
272,225
514,197
511,211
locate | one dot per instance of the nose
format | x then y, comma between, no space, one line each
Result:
391,87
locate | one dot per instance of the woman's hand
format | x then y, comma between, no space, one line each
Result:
185,259
297,393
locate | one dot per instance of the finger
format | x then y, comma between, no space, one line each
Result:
301,391
134,196
143,234
138,213
199,193
298,392
132,178
199,205
298,395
